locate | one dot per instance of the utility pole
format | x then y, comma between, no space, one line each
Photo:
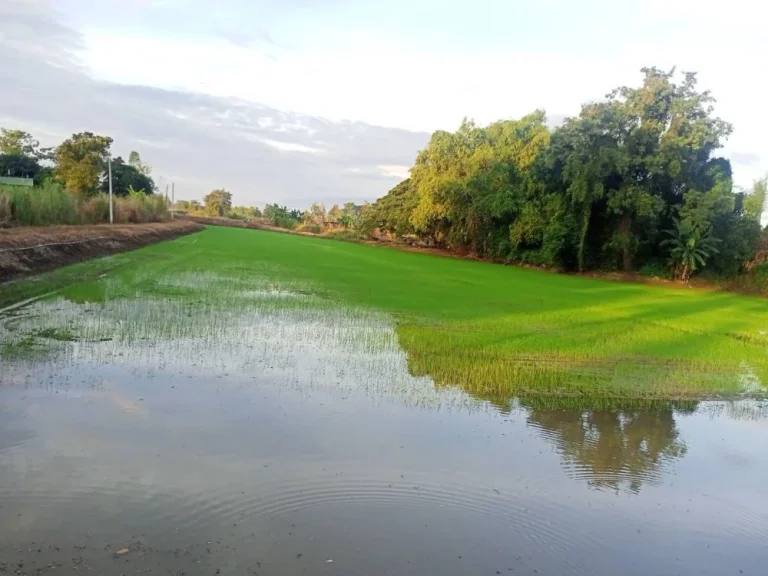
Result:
173,197
109,168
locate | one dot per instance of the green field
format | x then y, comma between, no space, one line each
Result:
494,331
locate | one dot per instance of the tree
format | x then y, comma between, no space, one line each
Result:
666,140
244,212
282,216
125,177
20,143
334,214
754,203
392,213
690,247
597,192
218,202
134,160
80,162
21,156
349,215
315,215
18,166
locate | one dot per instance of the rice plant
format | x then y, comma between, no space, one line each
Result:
495,332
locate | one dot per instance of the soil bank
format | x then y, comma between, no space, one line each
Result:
29,250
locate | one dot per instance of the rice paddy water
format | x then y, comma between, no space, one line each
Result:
246,402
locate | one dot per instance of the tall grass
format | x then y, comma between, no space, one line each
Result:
43,206
50,204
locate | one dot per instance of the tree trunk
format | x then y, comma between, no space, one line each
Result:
625,233
583,238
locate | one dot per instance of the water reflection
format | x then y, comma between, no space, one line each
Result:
610,449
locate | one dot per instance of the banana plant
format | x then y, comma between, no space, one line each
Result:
690,248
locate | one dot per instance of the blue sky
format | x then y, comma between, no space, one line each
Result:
420,65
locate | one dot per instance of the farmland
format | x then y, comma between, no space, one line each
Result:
493,331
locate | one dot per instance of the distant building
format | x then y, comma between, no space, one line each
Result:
12,181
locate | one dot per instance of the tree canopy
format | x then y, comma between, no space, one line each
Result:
81,161
218,202
617,187
134,160
126,177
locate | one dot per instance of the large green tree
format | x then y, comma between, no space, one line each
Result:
19,166
125,178
22,156
80,162
600,191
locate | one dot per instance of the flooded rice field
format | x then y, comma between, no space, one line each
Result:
146,428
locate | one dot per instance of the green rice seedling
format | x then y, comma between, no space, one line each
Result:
495,332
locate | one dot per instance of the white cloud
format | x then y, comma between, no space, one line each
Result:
292,146
400,172
385,83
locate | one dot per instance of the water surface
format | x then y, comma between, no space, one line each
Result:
154,431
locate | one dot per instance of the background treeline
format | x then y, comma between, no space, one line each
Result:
338,220
69,182
632,183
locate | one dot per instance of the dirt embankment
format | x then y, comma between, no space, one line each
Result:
29,250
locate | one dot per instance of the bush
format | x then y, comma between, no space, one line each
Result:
285,222
654,269
758,277
346,235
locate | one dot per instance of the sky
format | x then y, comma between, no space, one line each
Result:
330,100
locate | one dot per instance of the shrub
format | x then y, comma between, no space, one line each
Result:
654,269
346,235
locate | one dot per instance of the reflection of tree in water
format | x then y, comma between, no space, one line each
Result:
611,447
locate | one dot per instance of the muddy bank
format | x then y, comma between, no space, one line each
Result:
30,250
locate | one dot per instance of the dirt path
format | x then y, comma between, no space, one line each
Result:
29,250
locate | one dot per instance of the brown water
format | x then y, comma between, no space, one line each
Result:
290,442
